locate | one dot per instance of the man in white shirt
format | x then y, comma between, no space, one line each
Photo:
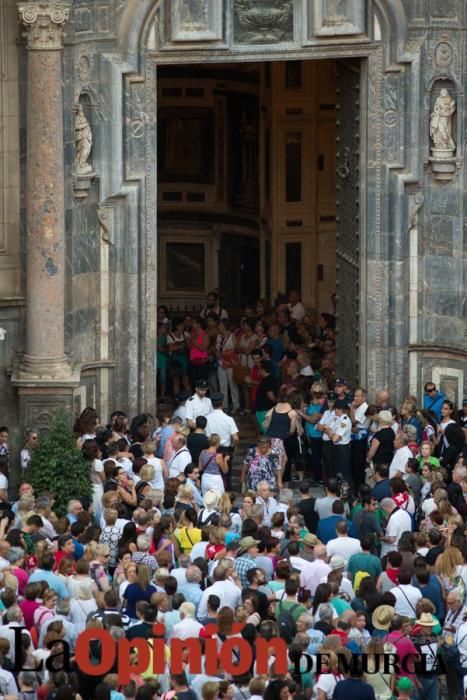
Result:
312,575
296,308
15,619
188,627
265,499
343,545
406,595
399,521
213,307
227,591
180,458
222,424
198,405
461,643
401,456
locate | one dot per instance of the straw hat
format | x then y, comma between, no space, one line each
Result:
211,499
426,620
382,616
246,543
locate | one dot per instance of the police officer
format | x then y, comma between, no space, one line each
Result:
340,434
198,405
327,451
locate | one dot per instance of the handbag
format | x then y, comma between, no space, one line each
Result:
240,374
229,359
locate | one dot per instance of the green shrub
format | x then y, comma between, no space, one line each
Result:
57,465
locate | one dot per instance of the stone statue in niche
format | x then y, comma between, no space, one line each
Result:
441,125
83,143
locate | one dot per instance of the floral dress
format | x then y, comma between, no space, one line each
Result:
262,468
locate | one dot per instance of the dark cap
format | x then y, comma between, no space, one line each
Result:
340,380
182,396
201,384
218,397
332,396
341,403
464,402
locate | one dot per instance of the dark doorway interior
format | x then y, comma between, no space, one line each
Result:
239,270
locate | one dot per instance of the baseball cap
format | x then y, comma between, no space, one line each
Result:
341,403
404,683
340,380
218,397
201,384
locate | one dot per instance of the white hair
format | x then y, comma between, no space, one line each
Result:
187,610
385,418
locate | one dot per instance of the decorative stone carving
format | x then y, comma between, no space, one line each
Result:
192,20
44,22
338,17
443,148
83,143
444,54
263,21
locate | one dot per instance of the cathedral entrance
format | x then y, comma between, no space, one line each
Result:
258,188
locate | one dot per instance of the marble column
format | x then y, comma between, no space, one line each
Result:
45,371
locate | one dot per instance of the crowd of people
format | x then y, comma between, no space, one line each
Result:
342,531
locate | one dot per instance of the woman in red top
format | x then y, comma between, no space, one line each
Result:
216,546
198,354
66,547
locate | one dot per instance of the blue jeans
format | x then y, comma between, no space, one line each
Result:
429,689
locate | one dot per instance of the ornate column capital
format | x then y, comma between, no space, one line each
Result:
44,22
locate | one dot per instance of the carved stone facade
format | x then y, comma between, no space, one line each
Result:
407,245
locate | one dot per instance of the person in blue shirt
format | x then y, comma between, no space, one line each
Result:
76,530
312,417
409,415
46,574
275,341
429,586
433,400
382,488
327,526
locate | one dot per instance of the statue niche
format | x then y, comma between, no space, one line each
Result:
443,146
83,168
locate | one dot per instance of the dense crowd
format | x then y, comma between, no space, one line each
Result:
373,566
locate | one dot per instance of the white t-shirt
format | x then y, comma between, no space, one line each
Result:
327,683
327,419
158,481
297,311
407,597
3,482
222,424
344,547
363,422
399,522
399,461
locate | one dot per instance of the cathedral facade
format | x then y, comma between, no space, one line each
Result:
155,150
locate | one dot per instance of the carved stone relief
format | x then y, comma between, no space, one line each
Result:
263,21
192,20
338,17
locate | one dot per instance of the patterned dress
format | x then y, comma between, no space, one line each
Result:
262,467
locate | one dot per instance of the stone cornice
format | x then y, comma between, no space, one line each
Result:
44,23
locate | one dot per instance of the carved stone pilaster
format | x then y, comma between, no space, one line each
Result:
44,22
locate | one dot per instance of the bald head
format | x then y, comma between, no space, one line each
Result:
320,551
382,398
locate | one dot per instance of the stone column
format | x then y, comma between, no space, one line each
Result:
45,370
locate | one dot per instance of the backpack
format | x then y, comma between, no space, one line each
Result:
343,488
357,579
286,623
202,523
